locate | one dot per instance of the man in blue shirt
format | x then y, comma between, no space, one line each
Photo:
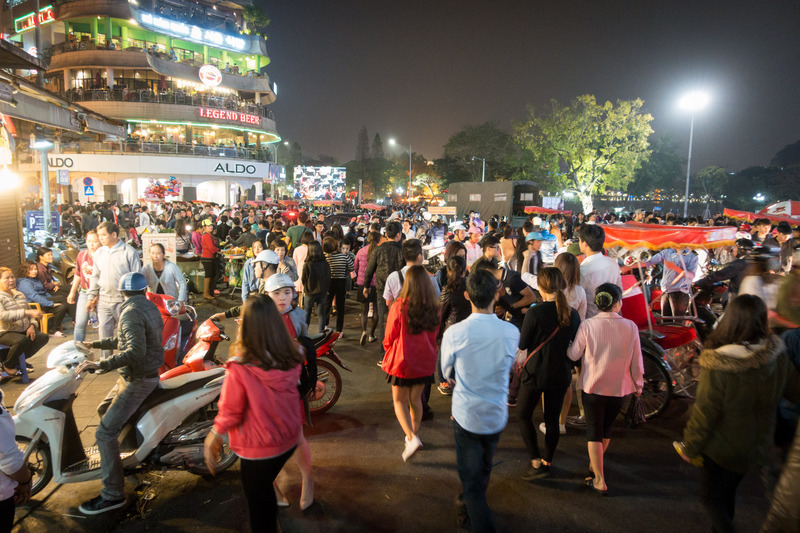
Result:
477,354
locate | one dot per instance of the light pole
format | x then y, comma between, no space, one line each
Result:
393,142
483,171
692,102
285,143
44,146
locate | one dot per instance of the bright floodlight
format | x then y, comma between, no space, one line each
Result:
42,145
694,101
391,141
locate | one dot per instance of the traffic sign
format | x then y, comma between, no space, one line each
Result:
62,177
87,181
34,221
88,190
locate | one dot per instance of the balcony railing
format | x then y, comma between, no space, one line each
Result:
166,148
169,97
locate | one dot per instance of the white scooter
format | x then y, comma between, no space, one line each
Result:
167,431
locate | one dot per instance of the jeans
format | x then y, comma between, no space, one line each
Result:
338,290
107,318
124,399
675,304
474,460
81,316
20,343
718,493
383,312
527,400
257,478
308,306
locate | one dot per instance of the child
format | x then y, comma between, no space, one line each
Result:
280,288
478,352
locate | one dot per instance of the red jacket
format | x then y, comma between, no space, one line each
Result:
258,409
407,356
209,245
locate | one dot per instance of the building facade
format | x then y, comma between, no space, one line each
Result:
186,79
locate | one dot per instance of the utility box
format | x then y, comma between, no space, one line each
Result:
503,198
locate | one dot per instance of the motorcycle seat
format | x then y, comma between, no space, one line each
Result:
183,379
324,334
161,395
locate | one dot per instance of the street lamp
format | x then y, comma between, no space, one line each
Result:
44,146
694,101
393,143
483,171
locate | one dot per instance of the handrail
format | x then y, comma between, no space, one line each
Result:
130,146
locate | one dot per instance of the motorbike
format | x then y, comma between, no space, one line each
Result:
329,382
167,431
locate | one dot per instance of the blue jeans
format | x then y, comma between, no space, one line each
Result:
124,399
321,301
81,316
474,454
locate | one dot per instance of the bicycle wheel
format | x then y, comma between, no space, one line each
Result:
657,390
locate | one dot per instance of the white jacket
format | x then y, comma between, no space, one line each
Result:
10,455
171,280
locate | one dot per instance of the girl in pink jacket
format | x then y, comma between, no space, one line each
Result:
258,406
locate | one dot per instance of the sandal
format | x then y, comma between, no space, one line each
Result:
590,483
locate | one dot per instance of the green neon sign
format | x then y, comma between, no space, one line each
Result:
28,21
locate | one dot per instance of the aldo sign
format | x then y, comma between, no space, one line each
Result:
235,168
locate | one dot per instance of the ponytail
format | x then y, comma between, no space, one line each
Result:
552,281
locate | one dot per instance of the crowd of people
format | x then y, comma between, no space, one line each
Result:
509,316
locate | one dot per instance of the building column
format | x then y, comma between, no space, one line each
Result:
67,79
110,77
224,58
258,98
205,54
94,29
109,30
123,35
66,29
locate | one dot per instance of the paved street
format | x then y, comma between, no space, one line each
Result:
362,483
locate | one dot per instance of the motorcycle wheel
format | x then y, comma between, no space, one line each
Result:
39,463
328,389
657,390
226,460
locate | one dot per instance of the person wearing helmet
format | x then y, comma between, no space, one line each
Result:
265,265
459,232
733,271
474,250
139,356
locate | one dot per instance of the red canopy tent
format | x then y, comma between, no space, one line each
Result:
327,202
256,203
657,237
371,206
747,216
783,209
288,203
545,211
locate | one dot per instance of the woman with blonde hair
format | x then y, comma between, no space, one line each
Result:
259,406
410,344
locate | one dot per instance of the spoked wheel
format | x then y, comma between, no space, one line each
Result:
657,390
226,460
39,463
328,389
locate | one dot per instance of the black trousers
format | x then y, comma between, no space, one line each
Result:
59,312
60,297
600,412
527,400
211,270
6,515
338,290
20,343
257,478
718,493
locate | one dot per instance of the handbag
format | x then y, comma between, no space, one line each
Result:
519,364
635,413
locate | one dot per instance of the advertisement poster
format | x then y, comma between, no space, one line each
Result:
167,240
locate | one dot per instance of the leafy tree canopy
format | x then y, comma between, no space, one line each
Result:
486,141
664,170
257,20
788,157
596,147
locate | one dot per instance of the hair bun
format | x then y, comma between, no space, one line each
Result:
604,300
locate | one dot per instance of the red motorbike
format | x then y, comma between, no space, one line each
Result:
329,382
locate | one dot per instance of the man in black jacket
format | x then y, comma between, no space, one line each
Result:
139,356
387,258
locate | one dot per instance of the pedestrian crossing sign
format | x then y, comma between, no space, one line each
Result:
88,190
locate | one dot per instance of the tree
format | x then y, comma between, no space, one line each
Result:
486,141
377,148
711,183
787,157
362,148
663,171
257,20
430,182
595,147
295,158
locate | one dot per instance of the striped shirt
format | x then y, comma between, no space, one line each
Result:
341,264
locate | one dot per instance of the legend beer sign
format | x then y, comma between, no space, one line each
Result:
235,116
28,21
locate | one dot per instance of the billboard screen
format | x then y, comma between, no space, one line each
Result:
320,183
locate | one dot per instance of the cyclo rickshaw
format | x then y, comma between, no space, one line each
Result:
670,344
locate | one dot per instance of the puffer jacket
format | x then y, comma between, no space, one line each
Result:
12,312
138,339
360,266
733,418
455,307
386,259
784,514
34,291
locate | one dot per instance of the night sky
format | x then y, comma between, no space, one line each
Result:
420,70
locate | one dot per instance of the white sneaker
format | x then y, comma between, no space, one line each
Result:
562,429
411,446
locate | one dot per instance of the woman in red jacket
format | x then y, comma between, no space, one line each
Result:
209,260
258,406
410,344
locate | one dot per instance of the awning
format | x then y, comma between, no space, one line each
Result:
747,216
783,209
545,211
14,57
288,203
371,206
657,237
326,202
